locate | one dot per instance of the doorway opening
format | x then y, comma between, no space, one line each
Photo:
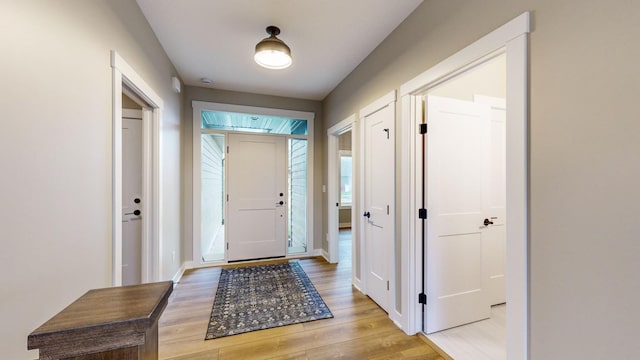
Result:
252,183
129,86
342,194
510,39
464,186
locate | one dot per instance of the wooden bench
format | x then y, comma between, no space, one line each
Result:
112,323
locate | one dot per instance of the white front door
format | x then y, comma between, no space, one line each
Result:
379,187
132,201
456,167
494,244
257,197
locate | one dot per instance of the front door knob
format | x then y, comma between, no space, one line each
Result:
367,214
487,222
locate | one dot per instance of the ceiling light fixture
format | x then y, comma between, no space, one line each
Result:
272,52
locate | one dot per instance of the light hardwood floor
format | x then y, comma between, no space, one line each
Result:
359,329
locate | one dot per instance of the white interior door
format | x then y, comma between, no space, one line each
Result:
494,243
379,200
132,201
257,197
457,144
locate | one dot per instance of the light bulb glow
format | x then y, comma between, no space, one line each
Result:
272,59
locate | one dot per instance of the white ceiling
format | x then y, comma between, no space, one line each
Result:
328,39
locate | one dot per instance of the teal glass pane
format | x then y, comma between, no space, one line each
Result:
221,120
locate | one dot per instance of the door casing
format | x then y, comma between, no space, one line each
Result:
197,131
510,39
333,196
125,78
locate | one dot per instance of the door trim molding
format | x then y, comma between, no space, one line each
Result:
511,39
124,74
333,194
198,107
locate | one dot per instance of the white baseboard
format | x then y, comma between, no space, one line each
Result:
324,254
316,252
397,319
176,278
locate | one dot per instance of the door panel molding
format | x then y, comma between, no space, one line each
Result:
372,283
256,223
457,147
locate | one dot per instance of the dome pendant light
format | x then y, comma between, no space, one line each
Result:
272,52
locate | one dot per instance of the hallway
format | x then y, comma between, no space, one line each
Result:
359,329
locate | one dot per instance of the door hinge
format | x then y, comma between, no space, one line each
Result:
227,246
387,209
422,213
423,128
227,149
422,299
227,197
387,285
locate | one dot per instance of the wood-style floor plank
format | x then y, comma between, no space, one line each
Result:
359,330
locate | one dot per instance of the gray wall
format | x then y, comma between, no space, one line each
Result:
584,168
238,98
55,153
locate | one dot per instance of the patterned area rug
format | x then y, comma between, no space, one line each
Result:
262,297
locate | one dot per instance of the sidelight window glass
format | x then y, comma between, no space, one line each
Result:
212,192
297,232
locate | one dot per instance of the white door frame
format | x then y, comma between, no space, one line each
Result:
123,74
333,195
198,107
511,39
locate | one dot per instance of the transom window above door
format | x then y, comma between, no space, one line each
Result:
233,121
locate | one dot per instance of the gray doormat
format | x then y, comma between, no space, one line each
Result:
262,297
